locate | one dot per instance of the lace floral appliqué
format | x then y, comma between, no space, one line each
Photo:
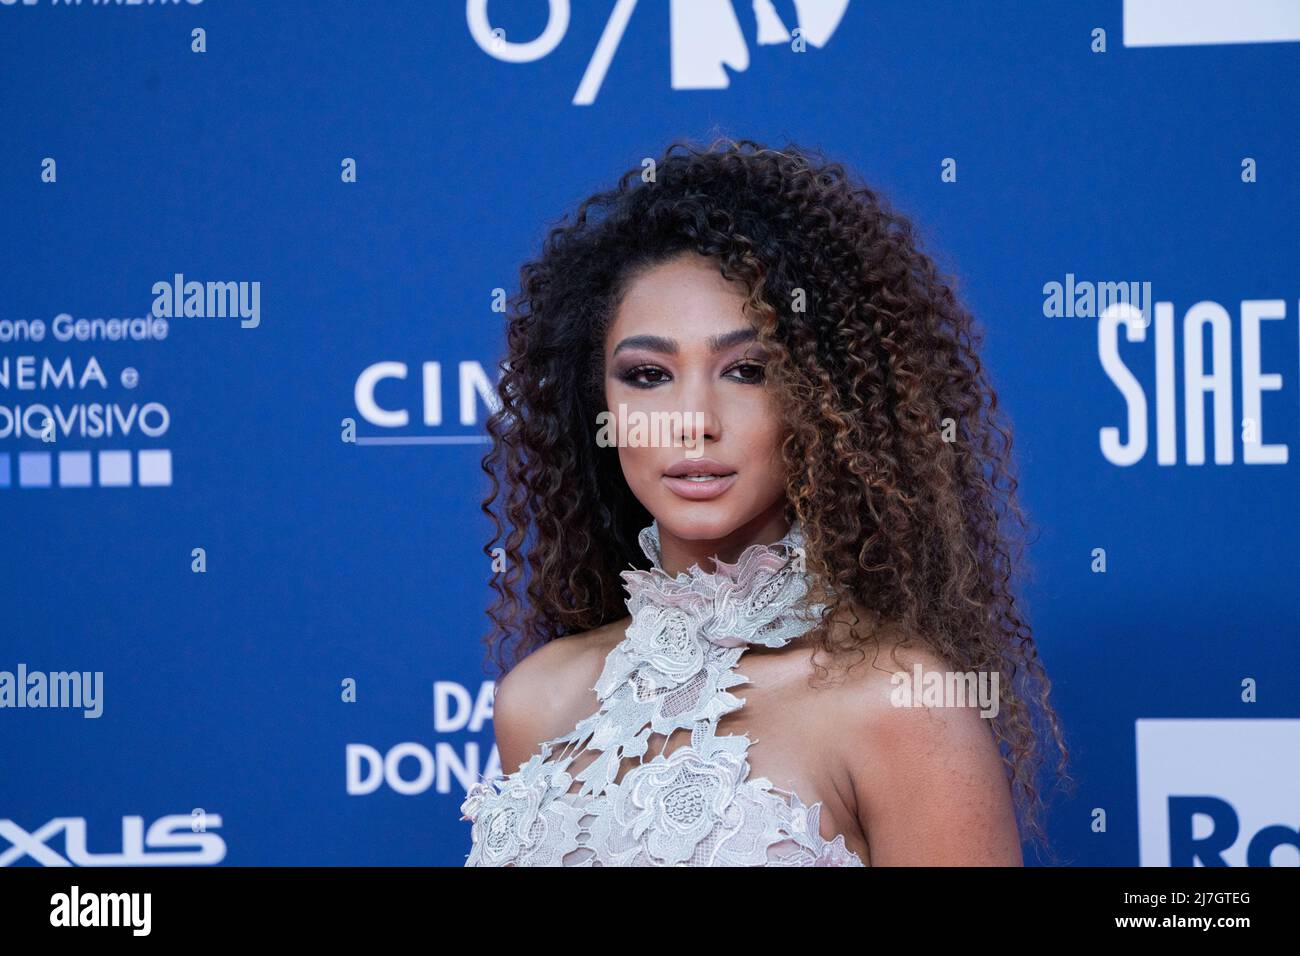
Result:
696,806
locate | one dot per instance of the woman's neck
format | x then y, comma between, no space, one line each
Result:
678,554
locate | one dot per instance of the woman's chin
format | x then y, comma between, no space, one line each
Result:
698,520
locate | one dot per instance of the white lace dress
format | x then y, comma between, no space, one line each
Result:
696,806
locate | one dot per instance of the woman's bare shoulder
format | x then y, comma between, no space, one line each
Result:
926,775
545,695
869,674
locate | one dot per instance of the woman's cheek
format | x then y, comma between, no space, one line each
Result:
636,463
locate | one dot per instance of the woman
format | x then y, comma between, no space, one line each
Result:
829,502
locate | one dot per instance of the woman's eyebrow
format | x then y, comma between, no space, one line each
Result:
651,343
657,343
725,341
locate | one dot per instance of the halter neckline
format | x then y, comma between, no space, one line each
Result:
758,599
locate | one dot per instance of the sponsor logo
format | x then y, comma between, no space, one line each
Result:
385,397
411,768
705,38
1211,350
56,401
1218,792
177,840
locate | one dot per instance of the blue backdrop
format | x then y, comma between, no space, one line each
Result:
1029,148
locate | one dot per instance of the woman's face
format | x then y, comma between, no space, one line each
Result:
679,342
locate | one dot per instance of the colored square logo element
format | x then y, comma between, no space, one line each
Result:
156,467
34,469
74,469
1218,792
4,469
114,469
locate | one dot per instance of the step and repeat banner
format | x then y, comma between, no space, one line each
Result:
253,255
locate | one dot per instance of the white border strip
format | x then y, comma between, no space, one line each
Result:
1200,22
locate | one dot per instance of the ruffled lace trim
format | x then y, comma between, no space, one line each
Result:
753,601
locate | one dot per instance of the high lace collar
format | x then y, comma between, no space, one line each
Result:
756,600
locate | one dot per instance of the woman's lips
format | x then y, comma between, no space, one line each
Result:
699,490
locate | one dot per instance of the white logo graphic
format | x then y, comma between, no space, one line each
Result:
174,837
411,768
384,398
1206,373
55,399
705,38
1201,22
1219,792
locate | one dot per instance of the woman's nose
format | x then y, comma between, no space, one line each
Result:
700,422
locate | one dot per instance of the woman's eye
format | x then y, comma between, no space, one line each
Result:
648,376
635,376
753,373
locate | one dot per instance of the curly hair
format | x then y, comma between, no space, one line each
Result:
897,465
